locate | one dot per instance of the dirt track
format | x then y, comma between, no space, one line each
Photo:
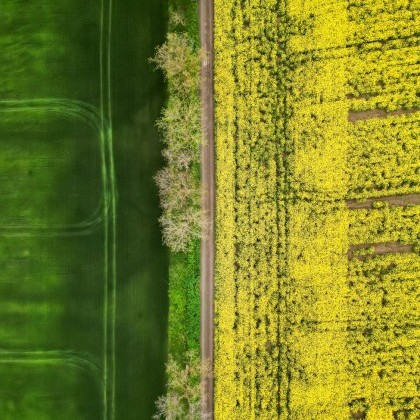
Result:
379,249
355,116
392,201
208,201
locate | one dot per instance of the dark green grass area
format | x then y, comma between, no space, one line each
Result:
56,244
52,236
50,49
50,169
189,9
138,94
45,388
51,308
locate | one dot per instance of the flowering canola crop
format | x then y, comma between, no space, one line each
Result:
315,112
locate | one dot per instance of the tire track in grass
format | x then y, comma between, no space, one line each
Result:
105,310
99,119
84,361
378,249
108,174
70,109
109,211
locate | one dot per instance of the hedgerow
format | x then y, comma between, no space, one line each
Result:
182,400
178,183
179,180
302,91
182,219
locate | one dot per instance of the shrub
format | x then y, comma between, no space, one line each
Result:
182,399
179,186
179,63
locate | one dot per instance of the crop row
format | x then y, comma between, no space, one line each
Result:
374,20
247,301
385,78
383,334
383,157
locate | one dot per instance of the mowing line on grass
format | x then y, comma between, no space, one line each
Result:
81,360
71,109
109,212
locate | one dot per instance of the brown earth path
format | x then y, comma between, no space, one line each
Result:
380,249
206,19
355,116
392,201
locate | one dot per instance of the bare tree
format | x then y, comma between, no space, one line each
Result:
182,399
179,63
180,125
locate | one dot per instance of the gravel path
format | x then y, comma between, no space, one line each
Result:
208,201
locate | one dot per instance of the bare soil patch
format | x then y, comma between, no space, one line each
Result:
355,116
361,96
392,201
378,249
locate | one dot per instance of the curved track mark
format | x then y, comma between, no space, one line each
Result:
83,361
70,109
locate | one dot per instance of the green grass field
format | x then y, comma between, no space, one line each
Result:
83,309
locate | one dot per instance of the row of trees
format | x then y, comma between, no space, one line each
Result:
182,219
180,125
182,398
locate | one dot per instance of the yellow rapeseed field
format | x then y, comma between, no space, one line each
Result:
317,218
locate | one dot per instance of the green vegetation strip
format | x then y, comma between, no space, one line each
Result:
180,196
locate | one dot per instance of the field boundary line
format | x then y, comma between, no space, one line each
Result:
206,20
